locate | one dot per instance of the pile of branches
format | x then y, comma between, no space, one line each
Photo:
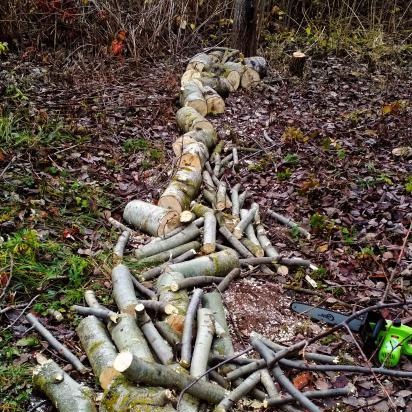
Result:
170,336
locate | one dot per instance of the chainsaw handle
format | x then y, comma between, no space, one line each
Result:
380,324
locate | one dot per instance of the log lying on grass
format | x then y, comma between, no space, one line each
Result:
140,371
123,290
191,95
64,392
149,218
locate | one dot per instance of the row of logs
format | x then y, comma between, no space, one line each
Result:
161,340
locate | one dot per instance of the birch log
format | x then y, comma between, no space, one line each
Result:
206,136
64,392
189,119
190,75
233,72
200,62
244,222
194,155
140,371
216,264
192,96
182,189
221,196
209,233
218,83
99,349
214,102
258,64
123,290
151,219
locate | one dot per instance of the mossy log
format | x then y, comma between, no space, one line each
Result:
189,233
258,64
199,209
179,299
151,219
64,392
189,119
140,371
218,83
123,396
214,102
215,264
200,62
99,349
194,155
207,137
255,249
203,343
182,189
123,290
162,257
128,336
191,95
235,243
190,75
233,72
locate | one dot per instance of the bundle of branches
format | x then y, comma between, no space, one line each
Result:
167,327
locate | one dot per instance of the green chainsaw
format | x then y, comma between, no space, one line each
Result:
390,339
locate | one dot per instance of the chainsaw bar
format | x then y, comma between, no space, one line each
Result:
328,316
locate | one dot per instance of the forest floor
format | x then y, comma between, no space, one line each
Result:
79,142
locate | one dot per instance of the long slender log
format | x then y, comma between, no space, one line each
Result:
273,261
187,335
288,222
235,157
243,389
123,396
128,337
61,349
118,225
200,62
235,201
224,284
142,289
221,196
160,347
168,334
140,371
219,379
101,313
207,181
244,222
153,272
178,299
226,160
149,218
186,235
237,245
64,392
158,307
255,249
203,344
198,222
120,246
250,231
99,349
172,253
268,384
209,233
265,242
215,264
195,281
123,290
216,169
192,96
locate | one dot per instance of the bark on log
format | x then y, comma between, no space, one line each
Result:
250,78
200,62
99,349
203,344
158,307
195,282
221,196
64,392
208,181
237,245
120,246
189,75
214,102
186,235
162,257
194,155
140,371
169,335
149,218
224,284
218,83
210,196
209,233
189,119
101,313
242,197
182,189
178,299
187,335
288,222
91,300
250,231
192,96
235,201
123,396
255,249
61,349
159,345
123,290
142,289
233,72
128,337
244,222
258,64
216,264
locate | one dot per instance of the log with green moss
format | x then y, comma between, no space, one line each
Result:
64,392
191,95
189,119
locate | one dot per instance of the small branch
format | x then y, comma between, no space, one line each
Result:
120,246
224,284
143,290
119,226
91,300
245,221
61,349
237,245
288,222
101,313
195,282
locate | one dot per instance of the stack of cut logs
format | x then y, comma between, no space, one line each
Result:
167,330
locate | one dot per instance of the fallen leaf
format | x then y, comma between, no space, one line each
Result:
302,380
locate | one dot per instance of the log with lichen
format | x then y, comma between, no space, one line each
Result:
191,95
189,119
123,290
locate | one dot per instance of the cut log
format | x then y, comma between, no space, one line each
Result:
250,78
189,119
151,219
127,336
189,75
99,349
210,196
244,222
208,181
200,210
203,344
237,245
216,264
297,64
200,62
218,83
182,189
258,64
252,247
64,392
160,347
288,222
221,196
123,396
214,102
187,217
209,233
158,307
142,290
91,300
120,246
186,235
235,201
101,313
194,282
192,96
181,142
233,72
206,136
140,371
123,290
194,155
224,284
169,335
250,231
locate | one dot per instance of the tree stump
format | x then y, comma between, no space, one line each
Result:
297,64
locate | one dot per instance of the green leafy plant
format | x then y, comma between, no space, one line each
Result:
291,159
4,47
317,221
284,174
348,235
408,184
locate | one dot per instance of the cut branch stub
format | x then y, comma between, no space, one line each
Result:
151,219
182,189
216,264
